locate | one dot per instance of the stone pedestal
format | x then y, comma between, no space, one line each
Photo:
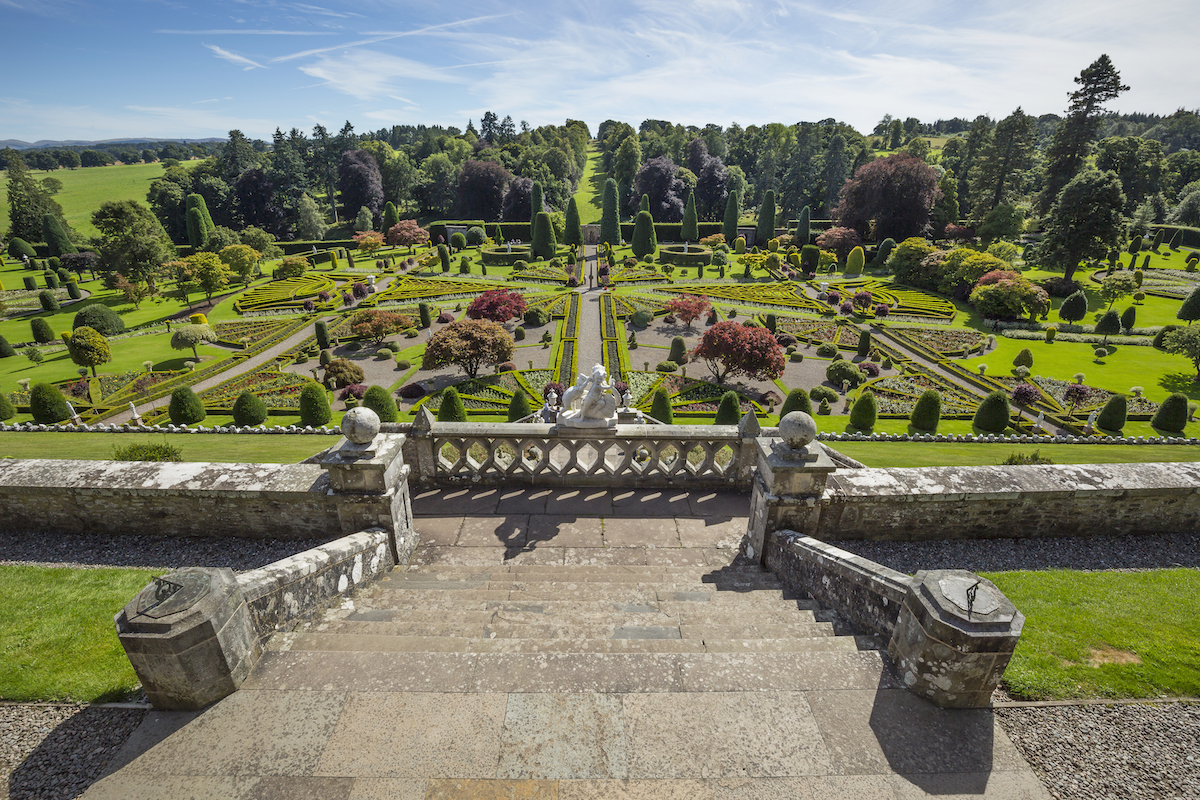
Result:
954,637
791,474
370,482
189,638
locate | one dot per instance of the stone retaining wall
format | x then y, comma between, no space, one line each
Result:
1002,501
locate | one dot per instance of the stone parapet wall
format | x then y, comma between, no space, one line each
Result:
294,587
1003,501
867,594
176,499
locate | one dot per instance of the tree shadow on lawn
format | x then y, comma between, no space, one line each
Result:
1183,382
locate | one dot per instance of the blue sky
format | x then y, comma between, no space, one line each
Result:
88,70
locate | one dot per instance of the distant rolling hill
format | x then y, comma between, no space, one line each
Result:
17,144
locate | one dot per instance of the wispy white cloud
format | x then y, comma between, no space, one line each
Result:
377,37
367,74
234,58
81,121
242,32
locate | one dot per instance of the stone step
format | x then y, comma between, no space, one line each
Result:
297,670
670,600
376,643
575,572
599,612
663,585
550,629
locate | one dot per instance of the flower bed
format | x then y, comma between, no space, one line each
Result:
232,333
845,336
1095,398
628,305
902,302
945,342
638,273
540,272
781,294
556,305
289,294
276,389
897,394
411,288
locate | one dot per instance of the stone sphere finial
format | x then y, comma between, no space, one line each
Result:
360,425
797,429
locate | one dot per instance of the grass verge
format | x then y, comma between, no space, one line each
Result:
271,449
57,640
946,454
1105,634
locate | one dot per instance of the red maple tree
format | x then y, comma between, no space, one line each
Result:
688,308
729,348
497,305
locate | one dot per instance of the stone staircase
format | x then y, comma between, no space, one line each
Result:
673,622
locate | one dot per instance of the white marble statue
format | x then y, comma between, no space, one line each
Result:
590,403
1040,423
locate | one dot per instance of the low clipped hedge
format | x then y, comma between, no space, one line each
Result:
696,255
501,257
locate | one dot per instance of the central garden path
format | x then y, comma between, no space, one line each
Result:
564,644
591,346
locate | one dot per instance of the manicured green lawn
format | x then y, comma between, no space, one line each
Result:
57,640
589,196
1105,634
85,189
250,448
948,454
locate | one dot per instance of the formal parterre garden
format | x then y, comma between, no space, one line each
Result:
914,339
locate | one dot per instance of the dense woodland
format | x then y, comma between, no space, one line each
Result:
992,178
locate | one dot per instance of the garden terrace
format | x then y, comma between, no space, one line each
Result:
290,294
768,295
412,288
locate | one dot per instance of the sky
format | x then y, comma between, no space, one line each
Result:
79,69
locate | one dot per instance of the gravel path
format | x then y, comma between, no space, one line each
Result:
1129,752
55,752
1129,552
91,550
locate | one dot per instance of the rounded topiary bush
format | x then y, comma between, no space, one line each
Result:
660,406
48,405
865,411
475,236
314,405
6,349
48,301
678,350
249,409
99,317
1158,337
666,366
1172,415
536,317
73,291
380,401
42,332
412,391
796,400
451,408
841,371
185,407
927,411
819,393
992,415
403,363
18,247
827,350
7,410
343,373
1112,416
457,240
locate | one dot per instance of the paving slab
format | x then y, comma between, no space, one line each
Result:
563,736
707,532
523,501
491,790
606,556
494,531
692,735
651,503
388,789
416,735
576,672
580,502
626,532
303,672
438,530
565,530
442,502
767,671
719,505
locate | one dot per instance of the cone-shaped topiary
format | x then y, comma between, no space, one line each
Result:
1109,324
810,257
425,314
1112,416
48,405
573,234
992,415
56,236
544,244
766,219
730,223
519,408
660,407
48,301
864,343
803,226
197,234
643,235
185,407
883,252
380,401
1129,318
1172,414
314,405
1024,358
42,332
678,350
451,408
797,400
855,262
927,411
73,290
729,411
865,411
7,410
322,331
690,230
99,317
249,409
6,349
18,247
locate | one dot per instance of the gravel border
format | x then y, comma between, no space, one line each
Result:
58,751
1132,751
